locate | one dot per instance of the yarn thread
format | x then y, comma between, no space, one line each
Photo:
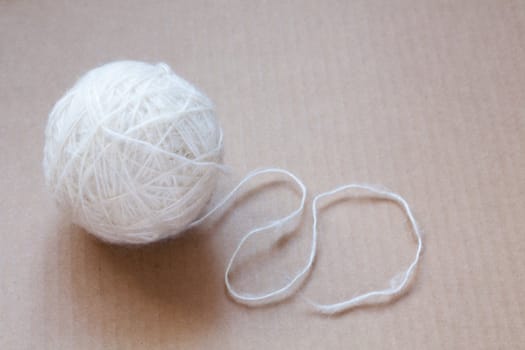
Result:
282,225
398,284
133,153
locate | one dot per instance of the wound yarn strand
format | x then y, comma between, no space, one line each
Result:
133,152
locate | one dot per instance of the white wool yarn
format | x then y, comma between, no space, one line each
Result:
399,283
132,152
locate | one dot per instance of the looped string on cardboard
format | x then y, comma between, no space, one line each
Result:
289,222
400,282
283,225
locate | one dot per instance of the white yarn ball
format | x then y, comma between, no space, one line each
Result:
132,152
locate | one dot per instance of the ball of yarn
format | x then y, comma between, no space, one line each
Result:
132,152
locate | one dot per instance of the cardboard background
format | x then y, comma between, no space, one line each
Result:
425,97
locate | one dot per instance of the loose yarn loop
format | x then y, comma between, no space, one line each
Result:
284,225
399,283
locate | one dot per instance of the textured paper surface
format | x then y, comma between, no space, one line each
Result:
425,97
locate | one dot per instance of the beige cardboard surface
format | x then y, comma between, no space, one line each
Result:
425,97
